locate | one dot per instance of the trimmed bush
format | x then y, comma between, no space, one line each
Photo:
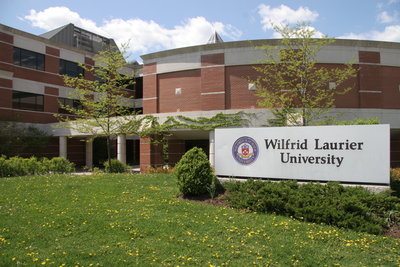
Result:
194,173
348,207
116,166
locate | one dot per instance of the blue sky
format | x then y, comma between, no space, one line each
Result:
155,25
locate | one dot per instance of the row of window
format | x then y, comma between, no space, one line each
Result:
35,102
34,60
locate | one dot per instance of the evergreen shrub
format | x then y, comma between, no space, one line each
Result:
333,204
116,166
194,173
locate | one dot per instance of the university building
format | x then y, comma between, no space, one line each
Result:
195,81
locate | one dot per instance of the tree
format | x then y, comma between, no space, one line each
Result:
103,108
16,138
293,84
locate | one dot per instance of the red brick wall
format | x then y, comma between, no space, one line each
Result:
76,151
188,100
6,47
51,99
150,154
369,57
5,98
390,82
237,94
176,149
213,59
150,89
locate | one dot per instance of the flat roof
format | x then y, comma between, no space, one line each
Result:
260,42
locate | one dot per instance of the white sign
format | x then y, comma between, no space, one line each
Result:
356,154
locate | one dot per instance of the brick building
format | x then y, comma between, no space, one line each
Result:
193,81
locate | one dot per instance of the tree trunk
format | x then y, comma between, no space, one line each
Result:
109,153
304,117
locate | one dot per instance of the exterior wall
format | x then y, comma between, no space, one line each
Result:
211,79
13,77
150,154
215,78
189,83
176,149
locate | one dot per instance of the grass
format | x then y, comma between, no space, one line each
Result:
125,220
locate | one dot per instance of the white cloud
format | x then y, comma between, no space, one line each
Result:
384,17
284,15
390,33
143,36
54,17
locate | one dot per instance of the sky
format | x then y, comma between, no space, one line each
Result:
149,26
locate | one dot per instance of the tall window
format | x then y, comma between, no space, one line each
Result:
70,68
68,102
28,101
29,59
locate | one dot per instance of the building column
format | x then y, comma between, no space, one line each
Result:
121,148
63,146
212,148
89,154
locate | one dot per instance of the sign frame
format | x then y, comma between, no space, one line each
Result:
357,154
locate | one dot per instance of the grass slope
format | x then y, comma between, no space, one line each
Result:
125,220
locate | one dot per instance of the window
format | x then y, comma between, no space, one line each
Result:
68,102
28,59
28,101
70,68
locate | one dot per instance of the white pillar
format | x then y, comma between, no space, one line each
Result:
89,154
121,148
63,146
212,148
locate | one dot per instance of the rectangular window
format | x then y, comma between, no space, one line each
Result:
28,59
70,68
28,101
68,102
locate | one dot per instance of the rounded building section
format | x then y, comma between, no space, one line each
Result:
213,78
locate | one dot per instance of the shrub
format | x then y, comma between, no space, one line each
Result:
5,168
17,166
348,207
194,173
116,166
395,181
60,165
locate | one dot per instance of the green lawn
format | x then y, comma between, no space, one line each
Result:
125,220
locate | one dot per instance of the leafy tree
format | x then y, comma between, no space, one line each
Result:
292,83
104,107
16,138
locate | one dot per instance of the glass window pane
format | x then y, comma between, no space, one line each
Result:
28,59
28,101
17,56
40,61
